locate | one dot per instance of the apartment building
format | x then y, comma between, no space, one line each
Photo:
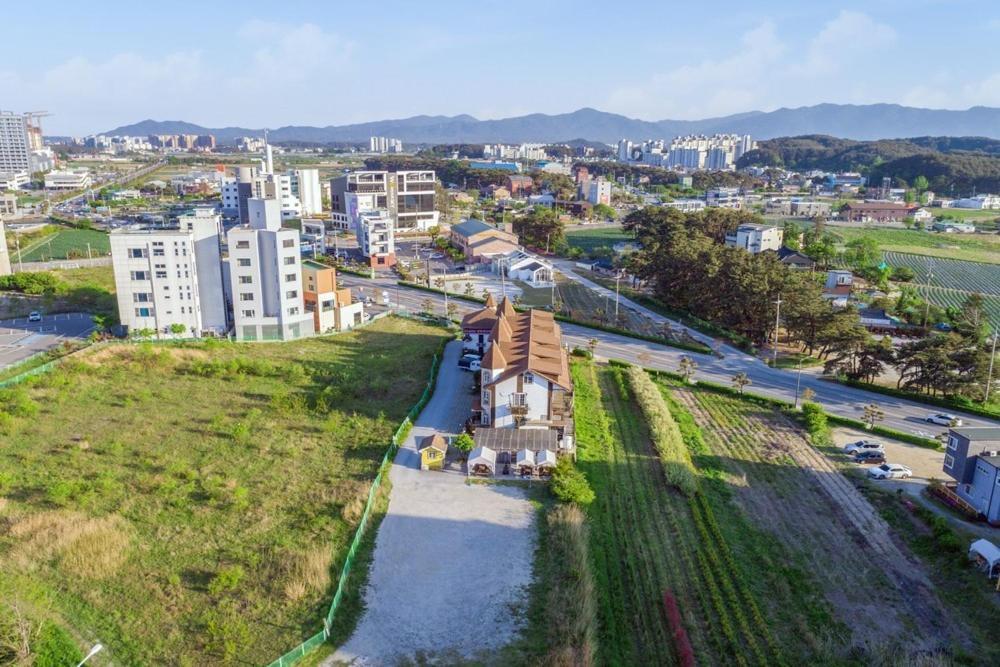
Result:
331,308
170,280
724,198
377,238
407,196
306,189
266,277
15,144
756,238
597,191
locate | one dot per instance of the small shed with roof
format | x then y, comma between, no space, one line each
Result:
433,450
482,461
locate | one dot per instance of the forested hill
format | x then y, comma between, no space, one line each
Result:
950,164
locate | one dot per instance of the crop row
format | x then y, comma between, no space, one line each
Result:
950,273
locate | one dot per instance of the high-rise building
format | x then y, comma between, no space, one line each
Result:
385,145
15,144
306,188
170,280
266,277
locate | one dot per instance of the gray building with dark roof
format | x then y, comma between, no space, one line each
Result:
972,459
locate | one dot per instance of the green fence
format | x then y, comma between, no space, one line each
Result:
398,437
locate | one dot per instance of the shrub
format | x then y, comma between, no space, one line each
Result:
816,423
581,352
226,579
570,485
674,454
464,443
570,605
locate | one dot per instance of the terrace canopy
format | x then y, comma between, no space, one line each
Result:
483,458
986,551
525,457
546,459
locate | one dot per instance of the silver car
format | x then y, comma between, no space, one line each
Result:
890,471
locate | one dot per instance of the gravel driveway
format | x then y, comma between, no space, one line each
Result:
452,560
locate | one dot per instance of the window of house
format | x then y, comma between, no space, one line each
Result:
158,252
952,442
294,310
248,313
142,297
243,244
161,274
289,261
529,378
519,400
243,262
143,312
484,418
290,278
949,461
486,396
137,253
246,296
291,294
246,280
288,243
140,275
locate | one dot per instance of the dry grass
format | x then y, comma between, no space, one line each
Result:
84,547
570,605
307,572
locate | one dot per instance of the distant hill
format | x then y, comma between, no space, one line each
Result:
861,122
950,164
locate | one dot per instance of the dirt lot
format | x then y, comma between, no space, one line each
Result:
878,590
925,463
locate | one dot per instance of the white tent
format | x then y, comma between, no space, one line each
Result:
546,458
525,457
986,551
483,457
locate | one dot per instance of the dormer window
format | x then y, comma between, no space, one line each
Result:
529,378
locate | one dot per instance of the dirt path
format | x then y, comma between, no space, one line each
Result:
877,589
452,560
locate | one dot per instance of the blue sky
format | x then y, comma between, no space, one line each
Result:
259,64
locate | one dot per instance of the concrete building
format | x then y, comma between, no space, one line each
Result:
331,308
266,277
75,179
598,191
385,145
686,205
8,206
480,241
724,198
15,143
167,279
13,180
306,188
980,202
874,211
407,196
376,237
756,238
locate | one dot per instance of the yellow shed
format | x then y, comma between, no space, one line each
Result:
433,449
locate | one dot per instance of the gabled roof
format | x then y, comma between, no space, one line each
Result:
506,308
490,302
435,441
533,345
494,359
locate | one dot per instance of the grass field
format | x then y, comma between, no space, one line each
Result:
966,214
952,281
188,505
588,239
776,559
971,247
65,244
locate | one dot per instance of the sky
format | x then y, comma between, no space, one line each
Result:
268,64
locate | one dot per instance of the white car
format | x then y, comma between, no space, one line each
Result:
34,316
890,471
943,419
470,362
863,446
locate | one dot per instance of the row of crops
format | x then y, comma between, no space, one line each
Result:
954,274
948,282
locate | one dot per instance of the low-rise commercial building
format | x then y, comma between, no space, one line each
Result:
479,240
70,179
874,211
332,308
756,238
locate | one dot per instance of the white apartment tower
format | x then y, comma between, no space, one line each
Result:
170,280
305,187
15,144
266,277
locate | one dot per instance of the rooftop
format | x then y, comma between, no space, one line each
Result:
975,433
515,439
472,226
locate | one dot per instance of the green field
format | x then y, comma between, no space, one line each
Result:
189,504
971,247
967,214
948,282
589,239
65,244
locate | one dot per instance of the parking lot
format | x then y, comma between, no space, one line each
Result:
20,339
925,463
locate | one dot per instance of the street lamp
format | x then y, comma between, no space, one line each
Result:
94,651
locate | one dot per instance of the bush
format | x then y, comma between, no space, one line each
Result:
816,423
674,454
570,485
226,579
582,353
464,443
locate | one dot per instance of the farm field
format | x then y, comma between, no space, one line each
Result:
953,280
189,504
971,247
777,559
65,244
589,239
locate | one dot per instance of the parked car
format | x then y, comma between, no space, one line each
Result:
863,446
890,471
943,419
469,362
871,457
34,316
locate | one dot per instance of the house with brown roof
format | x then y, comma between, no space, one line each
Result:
874,211
525,380
520,185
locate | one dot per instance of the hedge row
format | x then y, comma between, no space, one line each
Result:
940,401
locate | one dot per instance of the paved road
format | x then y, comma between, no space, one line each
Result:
838,399
19,339
451,559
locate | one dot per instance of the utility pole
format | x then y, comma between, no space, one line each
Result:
777,323
798,383
989,379
618,277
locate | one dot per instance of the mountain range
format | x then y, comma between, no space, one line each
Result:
849,121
